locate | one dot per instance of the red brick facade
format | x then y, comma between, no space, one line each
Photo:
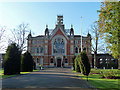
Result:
58,47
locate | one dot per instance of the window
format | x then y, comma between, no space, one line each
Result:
79,42
100,60
71,49
41,42
58,46
71,41
33,50
37,60
84,41
33,42
75,41
45,49
41,61
76,50
66,60
41,50
37,42
51,60
46,41
37,49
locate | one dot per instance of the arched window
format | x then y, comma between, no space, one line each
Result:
58,46
76,50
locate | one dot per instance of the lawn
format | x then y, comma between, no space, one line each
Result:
97,82
6,76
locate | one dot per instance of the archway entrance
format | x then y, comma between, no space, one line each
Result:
59,62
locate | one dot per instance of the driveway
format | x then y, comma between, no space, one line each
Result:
48,78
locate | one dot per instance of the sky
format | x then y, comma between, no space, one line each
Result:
38,14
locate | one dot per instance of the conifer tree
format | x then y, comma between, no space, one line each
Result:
27,62
12,60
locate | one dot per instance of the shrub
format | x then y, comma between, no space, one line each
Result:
27,62
77,68
12,60
84,63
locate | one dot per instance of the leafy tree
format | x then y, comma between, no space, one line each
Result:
27,62
12,60
109,27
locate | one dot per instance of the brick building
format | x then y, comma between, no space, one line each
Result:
58,46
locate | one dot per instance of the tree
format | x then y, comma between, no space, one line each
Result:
77,67
109,27
2,37
19,36
27,62
12,60
98,45
84,63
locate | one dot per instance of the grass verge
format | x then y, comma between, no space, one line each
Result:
6,76
96,81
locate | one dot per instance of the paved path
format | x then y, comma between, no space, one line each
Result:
48,78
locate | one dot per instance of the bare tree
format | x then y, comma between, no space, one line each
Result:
98,45
2,37
19,36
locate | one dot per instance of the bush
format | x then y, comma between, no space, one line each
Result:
77,68
12,60
27,62
84,63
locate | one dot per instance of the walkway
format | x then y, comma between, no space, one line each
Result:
48,78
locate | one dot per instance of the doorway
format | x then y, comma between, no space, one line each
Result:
58,62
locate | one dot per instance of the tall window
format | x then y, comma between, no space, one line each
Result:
76,50
45,49
41,61
41,50
58,46
37,49
71,49
79,42
37,42
33,50
41,42
76,41
37,60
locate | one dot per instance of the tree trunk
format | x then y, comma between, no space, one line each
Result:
95,54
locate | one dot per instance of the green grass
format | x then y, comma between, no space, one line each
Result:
97,82
6,76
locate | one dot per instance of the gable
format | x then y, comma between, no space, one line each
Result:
59,31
